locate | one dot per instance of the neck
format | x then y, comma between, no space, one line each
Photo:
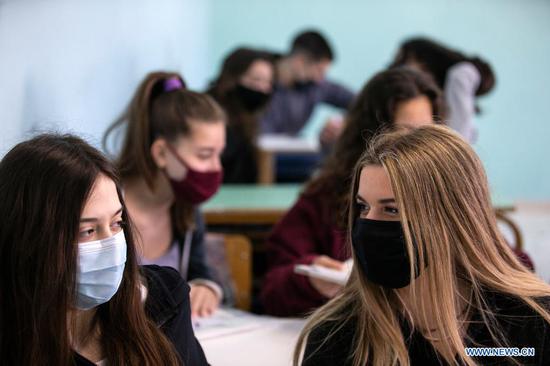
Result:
284,71
83,333
414,305
139,194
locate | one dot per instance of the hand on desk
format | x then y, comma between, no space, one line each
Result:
204,301
325,288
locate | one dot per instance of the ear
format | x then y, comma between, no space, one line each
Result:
159,152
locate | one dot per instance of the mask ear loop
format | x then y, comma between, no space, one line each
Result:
176,155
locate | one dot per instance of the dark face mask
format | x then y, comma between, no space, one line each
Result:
252,100
196,187
382,252
303,84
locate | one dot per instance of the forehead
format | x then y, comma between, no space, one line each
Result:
203,133
260,67
374,184
103,199
414,112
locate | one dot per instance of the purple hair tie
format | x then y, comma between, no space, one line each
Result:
172,83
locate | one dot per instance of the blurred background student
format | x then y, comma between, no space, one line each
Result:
169,164
72,290
313,231
301,84
462,79
243,88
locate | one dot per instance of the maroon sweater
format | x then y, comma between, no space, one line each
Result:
305,232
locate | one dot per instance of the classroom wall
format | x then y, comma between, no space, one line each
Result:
513,34
72,65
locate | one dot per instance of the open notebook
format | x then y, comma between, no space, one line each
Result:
227,321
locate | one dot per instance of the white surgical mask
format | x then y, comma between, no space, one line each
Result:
99,270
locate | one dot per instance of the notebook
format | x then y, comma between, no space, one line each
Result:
327,274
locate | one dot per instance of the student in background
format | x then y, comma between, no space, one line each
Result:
169,164
462,79
72,291
301,85
312,232
432,273
243,88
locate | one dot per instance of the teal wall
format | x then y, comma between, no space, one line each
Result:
514,35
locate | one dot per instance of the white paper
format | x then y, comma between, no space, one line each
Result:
327,274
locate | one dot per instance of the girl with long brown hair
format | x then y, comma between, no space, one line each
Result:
243,88
169,164
432,276
463,79
71,290
312,231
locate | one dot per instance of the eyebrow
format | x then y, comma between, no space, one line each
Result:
93,219
383,200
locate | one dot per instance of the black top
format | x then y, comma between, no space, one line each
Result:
521,326
168,306
239,159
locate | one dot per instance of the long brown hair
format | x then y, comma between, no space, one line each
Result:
44,184
443,198
374,109
156,113
437,59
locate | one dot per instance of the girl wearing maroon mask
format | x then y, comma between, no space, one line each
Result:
170,163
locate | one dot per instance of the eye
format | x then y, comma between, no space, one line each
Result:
118,225
363,208
205,155
86,233
392,211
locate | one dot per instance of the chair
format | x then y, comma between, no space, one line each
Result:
517,245
230,258
238,251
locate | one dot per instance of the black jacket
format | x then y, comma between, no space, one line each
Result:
168,306
521,326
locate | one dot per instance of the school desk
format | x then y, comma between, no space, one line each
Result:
241,204
236,338
269,146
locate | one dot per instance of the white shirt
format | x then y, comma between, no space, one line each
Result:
461,85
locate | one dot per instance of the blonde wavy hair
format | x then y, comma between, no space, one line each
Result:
443,198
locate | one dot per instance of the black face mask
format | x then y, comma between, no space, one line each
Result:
382,252
303,84
252,100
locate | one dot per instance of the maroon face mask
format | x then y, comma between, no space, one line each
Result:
196,187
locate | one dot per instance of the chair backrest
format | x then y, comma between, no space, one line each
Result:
238,252
517,245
